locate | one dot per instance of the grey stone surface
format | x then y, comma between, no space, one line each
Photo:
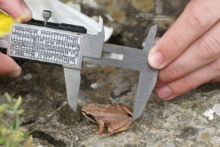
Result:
190,120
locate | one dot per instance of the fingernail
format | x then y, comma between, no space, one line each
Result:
156,60
164,92
26,14
16,73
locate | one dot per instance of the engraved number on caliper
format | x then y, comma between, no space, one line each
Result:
45,45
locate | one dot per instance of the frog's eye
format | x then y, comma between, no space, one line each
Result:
88,116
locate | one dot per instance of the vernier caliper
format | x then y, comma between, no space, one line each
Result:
69,46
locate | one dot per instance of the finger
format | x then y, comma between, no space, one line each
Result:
16,8
8,66
202,52
189,82
197,18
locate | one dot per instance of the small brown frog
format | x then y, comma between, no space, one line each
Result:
116,117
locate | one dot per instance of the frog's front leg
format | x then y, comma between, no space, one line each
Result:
119,126
101,128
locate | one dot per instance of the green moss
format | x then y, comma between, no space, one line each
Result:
11,133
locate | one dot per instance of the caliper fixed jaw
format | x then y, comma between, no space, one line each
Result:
147,77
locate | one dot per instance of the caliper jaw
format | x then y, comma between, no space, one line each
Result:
72,79
147,77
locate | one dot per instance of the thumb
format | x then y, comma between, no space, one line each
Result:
16,8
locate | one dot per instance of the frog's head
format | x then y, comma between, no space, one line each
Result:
87,111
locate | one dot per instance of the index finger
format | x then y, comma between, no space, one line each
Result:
197,18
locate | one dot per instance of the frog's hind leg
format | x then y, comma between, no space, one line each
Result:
121,126
101,128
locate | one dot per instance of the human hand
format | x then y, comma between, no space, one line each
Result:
188,54
18,10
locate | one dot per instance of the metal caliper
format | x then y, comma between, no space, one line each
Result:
69,46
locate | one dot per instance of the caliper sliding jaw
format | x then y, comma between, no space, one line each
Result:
87,47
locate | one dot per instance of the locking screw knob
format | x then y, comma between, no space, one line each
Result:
46,15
